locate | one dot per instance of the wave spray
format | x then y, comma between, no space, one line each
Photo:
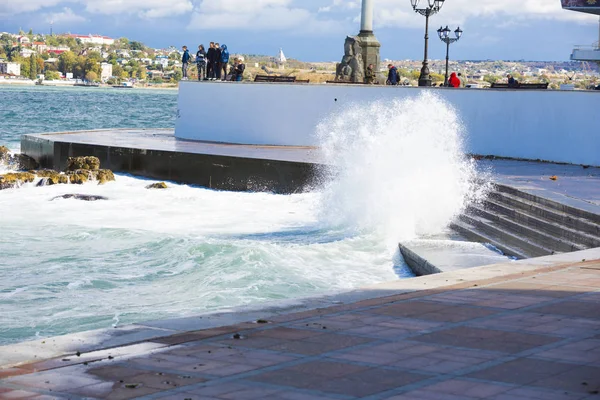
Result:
396,168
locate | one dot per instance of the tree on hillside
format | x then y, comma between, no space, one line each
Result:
52,75
91,76
490,78
33,67
66,62
137,46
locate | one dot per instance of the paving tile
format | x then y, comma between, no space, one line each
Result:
478,390
423,394
369,382
327,369
186,396
571,308
18,394
528,393
522,371
125,393
230,369
250,394
433,311
163,381
285,333
307,348
54,380
217,390
583,379
288,377
486,339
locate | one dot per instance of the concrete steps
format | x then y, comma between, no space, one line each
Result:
524,225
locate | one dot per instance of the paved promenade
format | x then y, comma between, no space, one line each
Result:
510,332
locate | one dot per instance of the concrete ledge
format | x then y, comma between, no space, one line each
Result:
157,154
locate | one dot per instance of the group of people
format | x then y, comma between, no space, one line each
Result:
213,64
456,80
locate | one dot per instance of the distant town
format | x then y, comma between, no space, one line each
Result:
68,59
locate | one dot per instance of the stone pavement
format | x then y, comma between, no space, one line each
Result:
525,335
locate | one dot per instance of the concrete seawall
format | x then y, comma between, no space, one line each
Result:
556,126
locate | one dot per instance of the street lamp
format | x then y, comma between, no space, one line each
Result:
444,34
433,7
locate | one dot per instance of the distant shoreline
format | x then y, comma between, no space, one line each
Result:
10,82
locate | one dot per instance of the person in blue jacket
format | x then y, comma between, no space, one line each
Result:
185,60
392,75
224,61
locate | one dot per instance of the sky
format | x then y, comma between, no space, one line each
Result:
314,30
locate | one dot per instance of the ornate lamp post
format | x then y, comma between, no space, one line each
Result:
433,7
444,34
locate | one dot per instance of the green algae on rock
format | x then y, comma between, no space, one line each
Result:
103,176
158,185
15,179
89,163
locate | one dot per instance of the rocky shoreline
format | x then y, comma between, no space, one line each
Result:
79,171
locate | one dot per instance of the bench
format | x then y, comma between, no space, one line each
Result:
278,79
520,86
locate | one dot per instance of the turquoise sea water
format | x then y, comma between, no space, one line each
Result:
25,109
69,266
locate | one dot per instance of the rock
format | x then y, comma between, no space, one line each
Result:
89,163
50,177
15,179
78,177
24,162
103,176
159,185
4,154
17,161
84,197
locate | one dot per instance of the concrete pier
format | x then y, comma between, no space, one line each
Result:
157,154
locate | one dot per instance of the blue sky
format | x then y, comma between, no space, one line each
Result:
314,30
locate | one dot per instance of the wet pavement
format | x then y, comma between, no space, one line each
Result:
525,330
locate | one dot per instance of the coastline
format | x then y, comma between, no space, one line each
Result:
8,82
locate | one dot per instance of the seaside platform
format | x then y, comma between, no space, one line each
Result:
516,331
158,154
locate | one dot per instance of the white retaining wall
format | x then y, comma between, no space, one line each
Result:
559,126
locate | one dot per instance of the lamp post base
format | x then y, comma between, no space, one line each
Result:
425,78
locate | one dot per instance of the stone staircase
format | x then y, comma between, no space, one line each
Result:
523,225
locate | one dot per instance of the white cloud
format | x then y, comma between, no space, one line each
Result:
399,13
270,15
11,7
66,16
142,8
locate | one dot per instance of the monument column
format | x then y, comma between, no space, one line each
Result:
368,42
366,20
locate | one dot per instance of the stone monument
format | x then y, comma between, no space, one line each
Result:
368,45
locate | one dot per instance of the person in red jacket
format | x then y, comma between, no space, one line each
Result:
454,81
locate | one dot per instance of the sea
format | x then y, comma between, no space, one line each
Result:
69,266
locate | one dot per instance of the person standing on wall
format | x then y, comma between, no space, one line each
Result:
217,61
201,62
512,82
370,75
185,60
392,75
239,69
454,81
210,56
463,81
224,62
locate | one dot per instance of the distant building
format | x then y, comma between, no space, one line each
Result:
26,52
23,40
40,47
94,39
107,71
10,68
58,49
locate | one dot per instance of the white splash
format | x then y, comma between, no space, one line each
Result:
398,167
